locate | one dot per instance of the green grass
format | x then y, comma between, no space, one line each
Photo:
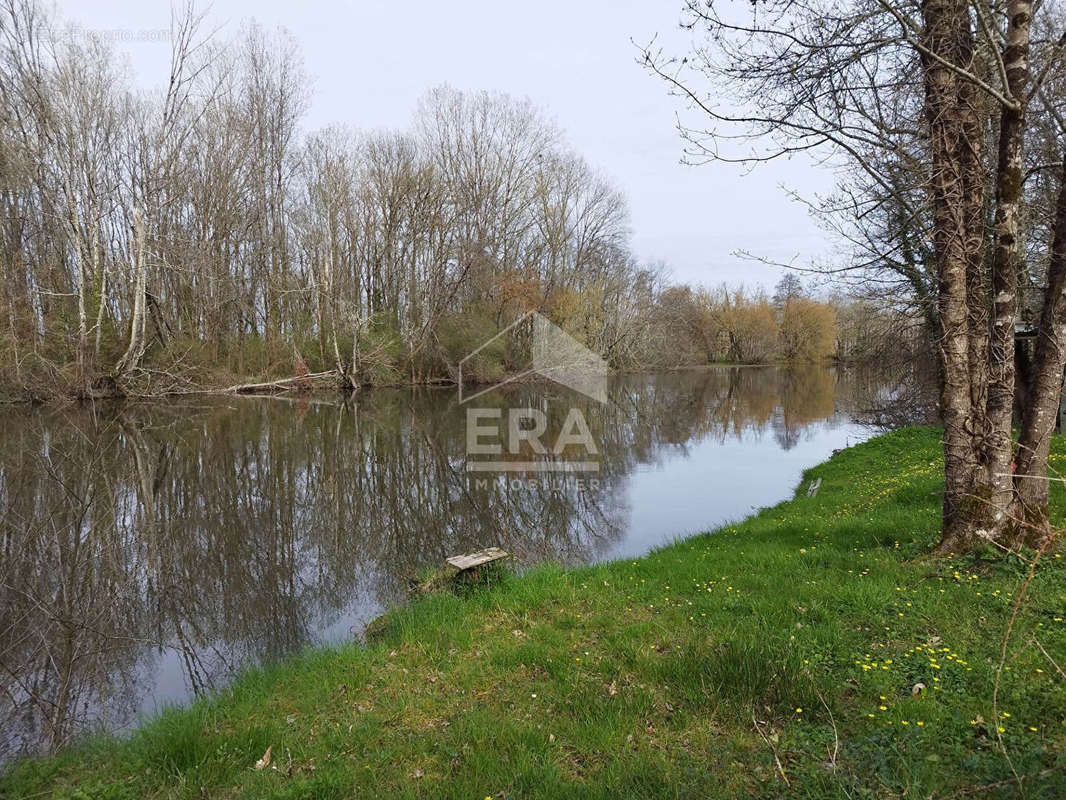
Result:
642,678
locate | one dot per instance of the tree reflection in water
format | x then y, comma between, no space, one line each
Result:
149,551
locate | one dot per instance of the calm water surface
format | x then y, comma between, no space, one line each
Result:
147,552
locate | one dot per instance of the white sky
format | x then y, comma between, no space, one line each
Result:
370,60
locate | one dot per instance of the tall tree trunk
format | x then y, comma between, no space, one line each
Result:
357,355
945,22
132,357
1038,420
100,280
972,154
331,301
82,279
997,448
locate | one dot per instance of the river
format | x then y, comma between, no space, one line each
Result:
150,551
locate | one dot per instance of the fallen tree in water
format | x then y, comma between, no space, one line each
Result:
303,383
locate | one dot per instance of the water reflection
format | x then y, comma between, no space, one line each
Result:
149,551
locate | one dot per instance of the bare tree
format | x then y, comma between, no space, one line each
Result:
156,167
810,76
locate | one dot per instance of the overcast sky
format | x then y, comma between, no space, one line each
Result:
370,60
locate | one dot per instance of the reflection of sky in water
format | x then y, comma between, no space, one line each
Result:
716,482
166,674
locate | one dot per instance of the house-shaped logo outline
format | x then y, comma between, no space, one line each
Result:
589,377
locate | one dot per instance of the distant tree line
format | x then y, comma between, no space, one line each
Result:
796,324
741,326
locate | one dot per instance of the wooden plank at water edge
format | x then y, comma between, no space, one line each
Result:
472,560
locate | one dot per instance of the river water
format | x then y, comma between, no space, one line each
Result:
150,551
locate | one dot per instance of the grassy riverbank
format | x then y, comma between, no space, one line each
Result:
783,648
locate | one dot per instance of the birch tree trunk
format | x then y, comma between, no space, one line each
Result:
81,276
331,300
100,279
131,359
996,449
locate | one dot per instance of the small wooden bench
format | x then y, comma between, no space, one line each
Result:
478,559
